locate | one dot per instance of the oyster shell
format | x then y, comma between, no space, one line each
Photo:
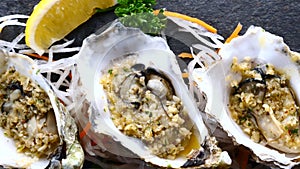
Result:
150,68
253,68
46,135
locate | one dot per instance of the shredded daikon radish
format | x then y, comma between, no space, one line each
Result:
64,45
26,51
65,50
12,20
11,46
16,41
62,48
209,51
73,97
62,78
76,104
208,44
62,64
197,31
15,16
5,44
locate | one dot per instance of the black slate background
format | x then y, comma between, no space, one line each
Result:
280,17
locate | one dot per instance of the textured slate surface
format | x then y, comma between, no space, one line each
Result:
276,16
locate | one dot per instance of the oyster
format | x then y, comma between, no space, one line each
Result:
140,106
253,93
35,128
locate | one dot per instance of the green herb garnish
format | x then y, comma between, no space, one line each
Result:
38,71
128,7
139,14
242,119
150,114
110,71
293,131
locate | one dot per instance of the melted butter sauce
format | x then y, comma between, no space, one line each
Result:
191,144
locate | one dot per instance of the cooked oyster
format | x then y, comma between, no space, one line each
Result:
141,103
253,94
263,104
35,128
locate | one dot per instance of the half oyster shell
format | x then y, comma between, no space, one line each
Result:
253,93
123,67
42,133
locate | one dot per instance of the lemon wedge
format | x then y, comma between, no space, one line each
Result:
52,20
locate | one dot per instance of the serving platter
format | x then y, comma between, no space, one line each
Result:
275,16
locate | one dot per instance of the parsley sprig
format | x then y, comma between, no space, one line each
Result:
139,14
128,7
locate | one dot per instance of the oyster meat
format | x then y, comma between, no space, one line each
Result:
253,93
139,100
143,104
263,104
35,128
